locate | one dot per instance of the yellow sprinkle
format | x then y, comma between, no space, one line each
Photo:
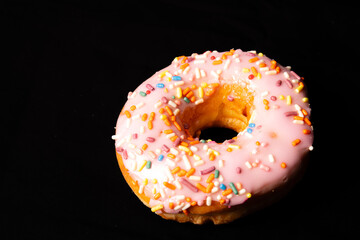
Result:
183,148
299,88
146,181
258,75
201,92
248,195
157,208
204,84
166,90
169,79
162,74
245,70
178,92
260,54
154,181
234,146
163,117
288,100
305,99
142,165
281,97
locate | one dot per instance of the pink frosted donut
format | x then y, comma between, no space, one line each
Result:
184,178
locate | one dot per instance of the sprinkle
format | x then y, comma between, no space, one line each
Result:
283,165
142,93
305,100
176,78
188,184
197,73
217,173
160,85
288,100
142,166
222,186
171,103
199,101
251,76
148,164
208,170
161,157
150,139
278,83
127,113
186,100
306,131
271,158
289,84
252,60
169,185
190,172
233,188
201,187
296,142
157,208
186,162
217,62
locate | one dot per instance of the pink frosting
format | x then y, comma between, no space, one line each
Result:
258,162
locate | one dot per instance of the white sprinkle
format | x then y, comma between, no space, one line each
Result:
311,148
198,163
202,73
193,148
221,179
297,107
195,178
151,154
131,145
176,111
179,206
221,163
162,193
187,69
170,135
171,103
265,93
259,61
141,189
214,74
134,117
133,165
233,146
248,164
271,72
227,63
197,73
199,61
174,151
187,205
298,122
132,155
199,101
264,167
214,189
168,173
205,147
168,74
201,56
186,162
242,191
128,122
208,201
179,83
140,105
263,69
197,157
119,143
229,196
286,75
142,129
114,137
177,184
271,158
170,162
237,60
218,197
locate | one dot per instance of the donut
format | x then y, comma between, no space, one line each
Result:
181,176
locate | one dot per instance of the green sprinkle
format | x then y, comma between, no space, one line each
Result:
148,164
233,188
217,173
202,141
186,100
173,97
142,93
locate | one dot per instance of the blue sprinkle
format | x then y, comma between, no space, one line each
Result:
249,130
176,78
160,85
161,157
222,187
252,125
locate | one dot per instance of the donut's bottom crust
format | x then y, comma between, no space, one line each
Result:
217,213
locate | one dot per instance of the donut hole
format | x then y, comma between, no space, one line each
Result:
220,112
217,134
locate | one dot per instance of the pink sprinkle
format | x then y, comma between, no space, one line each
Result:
238,170
151,88
208,170
295,75
176,142
273,98
164,100
150,139
119,149
230,98
125,155
278,83
165,148
291,113
289,84
135,136
188,184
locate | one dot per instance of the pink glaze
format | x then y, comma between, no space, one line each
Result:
256,167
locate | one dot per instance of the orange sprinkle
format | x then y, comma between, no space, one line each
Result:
133,107
217,62
144,117
307,121
277,69
172,156
296,142
194,142
176,170
171,205
190,94
150,125
304,112
201,187
127,113
227,192
262,65
186,212
183,66
190,172
210,178
193,203
188,199
253,59
283,165
193,87
173,118
209,187
181,173
212,156
169,185
157,196
177,125
152,116
223,57
298,118
257,143
254,71
186,91
161,110
184,144
209,92
266,102
167,122
168,131
190,153
169,111
306,131
267,107
222,201
144,147
193,99
173,138
229,149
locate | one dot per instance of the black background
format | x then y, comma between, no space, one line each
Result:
69,66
